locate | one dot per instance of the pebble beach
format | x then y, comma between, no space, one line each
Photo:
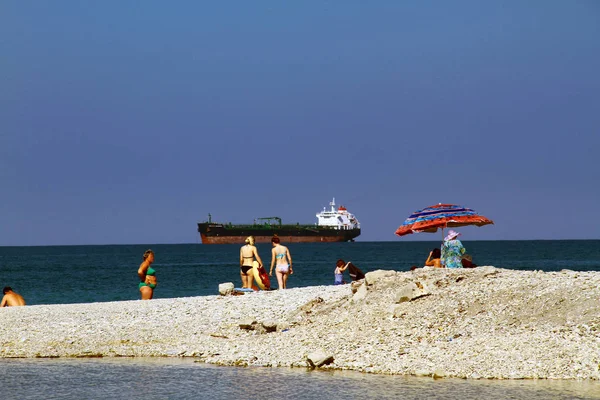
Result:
476,323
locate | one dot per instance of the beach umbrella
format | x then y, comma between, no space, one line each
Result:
441,216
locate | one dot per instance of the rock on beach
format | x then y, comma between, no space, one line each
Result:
469,323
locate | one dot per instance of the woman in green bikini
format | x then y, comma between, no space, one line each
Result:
147,276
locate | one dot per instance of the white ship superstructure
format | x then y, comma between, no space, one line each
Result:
338,219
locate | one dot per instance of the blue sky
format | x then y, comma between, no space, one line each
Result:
128,122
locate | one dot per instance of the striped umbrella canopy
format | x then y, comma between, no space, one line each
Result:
441,216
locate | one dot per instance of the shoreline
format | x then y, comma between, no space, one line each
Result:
465,323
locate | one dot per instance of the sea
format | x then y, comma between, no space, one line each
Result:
103,273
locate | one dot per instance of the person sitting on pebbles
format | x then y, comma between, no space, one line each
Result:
434,259
11,299
467,261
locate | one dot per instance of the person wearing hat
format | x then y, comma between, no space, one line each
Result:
452,250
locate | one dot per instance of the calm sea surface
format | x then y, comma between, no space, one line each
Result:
84,274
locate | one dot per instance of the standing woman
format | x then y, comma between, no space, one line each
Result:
281,254
147,276
452,251
338,273
247,255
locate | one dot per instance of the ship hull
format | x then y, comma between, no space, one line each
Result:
211,233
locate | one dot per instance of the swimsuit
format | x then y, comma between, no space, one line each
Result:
246,268
150,272
339,279
283,268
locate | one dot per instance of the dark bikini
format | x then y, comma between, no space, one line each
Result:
246,268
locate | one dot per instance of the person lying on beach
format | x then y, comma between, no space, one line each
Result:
434,259
467,261
11,299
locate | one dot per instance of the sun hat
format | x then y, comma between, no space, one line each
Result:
451,235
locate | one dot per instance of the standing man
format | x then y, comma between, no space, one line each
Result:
11,299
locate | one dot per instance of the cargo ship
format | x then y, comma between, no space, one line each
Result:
333,225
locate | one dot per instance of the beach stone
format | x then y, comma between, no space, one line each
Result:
355,285
439,373
360,294
410,291
247,323
226,288
283,327
397,311
310,306
374,276
488,270
270,326
259,328
319,358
